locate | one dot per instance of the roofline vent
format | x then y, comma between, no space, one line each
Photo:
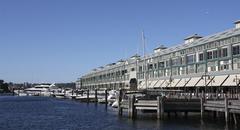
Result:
192,38
237,24
160,48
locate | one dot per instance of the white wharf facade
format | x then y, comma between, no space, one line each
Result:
200,62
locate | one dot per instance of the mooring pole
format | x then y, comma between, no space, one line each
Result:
106,95
226,109
158,107
202,106
96,97
13,92
88,95
131,107
162,107
119,102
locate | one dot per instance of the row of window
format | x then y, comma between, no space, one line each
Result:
190,59
217,54
190,69
236,50
211,45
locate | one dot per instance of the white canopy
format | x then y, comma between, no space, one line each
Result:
232,80
218,80
193,82
159,83
183,82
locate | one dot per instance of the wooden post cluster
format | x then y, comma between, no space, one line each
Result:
96,96
131,107
13,92
87,95
202,100
160,107
119,102
226,109
106,95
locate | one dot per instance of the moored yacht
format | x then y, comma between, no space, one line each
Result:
39,90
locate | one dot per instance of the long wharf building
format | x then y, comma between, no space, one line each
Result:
200,62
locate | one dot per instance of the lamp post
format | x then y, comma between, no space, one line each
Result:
205,80
237,85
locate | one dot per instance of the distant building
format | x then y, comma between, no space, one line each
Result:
199,62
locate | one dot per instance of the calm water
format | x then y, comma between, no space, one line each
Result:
39,113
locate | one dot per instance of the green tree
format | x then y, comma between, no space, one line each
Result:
4,87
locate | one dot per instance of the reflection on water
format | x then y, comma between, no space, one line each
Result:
38,113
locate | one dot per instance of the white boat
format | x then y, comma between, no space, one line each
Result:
69,93
112,96
84,98
20,93
115,104
59,95
64,93
39,90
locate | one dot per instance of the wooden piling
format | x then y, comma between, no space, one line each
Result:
96,97
175,114
186,113
235,118
202,106
226,109
106,96
88,95
162,107
158,107
131,107
214,114
13,92
119,102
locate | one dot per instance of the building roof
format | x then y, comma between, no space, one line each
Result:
197,42
203,40
236,22
193,36
160,47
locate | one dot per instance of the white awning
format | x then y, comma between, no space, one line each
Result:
165,83
152,84
232,80
148,83
174,83
141,85
193,82
218,80
159,83
202,82
183,82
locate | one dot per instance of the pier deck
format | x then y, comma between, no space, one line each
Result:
228,106
161,105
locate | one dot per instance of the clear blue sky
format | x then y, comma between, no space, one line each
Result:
60,40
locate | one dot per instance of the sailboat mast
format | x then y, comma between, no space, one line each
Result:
144,57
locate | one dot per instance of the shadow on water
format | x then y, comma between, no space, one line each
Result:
192,122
